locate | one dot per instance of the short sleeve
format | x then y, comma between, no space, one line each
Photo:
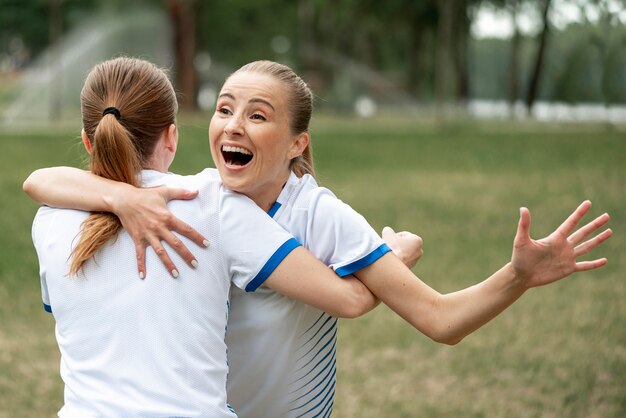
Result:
37,235
340,236
253,244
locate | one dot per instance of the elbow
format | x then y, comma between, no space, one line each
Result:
355,300
442,328
29,184
356,306
350,310
36,183
446,338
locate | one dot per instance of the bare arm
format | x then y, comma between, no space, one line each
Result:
307,280
449,318
143,212
303,277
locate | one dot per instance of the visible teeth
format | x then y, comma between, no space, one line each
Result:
240,150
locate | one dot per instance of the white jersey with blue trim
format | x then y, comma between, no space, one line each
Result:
282,352
154,347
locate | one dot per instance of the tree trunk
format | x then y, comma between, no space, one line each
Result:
56,62
460,40
182,14
533,86
444,35
514,59
414,62
308,46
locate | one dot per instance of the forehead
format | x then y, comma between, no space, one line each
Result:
249,85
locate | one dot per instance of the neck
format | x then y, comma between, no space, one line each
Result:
159,163
266,198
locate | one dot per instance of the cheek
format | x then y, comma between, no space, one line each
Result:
213,155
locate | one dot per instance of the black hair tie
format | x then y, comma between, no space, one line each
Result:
113,111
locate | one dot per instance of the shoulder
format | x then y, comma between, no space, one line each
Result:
207,177
305,193
46,214
56,221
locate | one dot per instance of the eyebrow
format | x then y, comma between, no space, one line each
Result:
257,100
253,100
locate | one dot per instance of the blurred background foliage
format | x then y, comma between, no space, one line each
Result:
358,56
410,65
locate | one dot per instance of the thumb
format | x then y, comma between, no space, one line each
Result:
523,226
180,194
388,232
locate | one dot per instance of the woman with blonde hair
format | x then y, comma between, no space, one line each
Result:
282,352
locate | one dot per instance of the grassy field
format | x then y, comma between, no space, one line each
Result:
558,352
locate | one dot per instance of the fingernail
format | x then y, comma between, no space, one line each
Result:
141,275
175,273
206,243
194,263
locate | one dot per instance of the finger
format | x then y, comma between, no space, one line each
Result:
523,226
178,246
590,265
388,230
388,234
406,235
186,230
570,223
180,194
589,245
578,236
160,251
140,250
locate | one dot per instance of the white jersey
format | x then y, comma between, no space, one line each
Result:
154,347
282,352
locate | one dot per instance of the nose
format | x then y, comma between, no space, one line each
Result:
234,126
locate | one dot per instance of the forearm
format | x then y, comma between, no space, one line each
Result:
70,187
464,311
444,318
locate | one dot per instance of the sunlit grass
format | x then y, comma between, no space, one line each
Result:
560,351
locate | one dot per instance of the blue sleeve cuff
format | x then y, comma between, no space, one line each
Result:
272,263
363,262
47,308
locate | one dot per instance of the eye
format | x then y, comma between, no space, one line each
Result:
223,110
258,116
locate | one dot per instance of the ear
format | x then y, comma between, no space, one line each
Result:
299,145
86,142
171,138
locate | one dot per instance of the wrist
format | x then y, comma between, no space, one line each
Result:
116,196
518,282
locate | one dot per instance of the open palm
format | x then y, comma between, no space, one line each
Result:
540,262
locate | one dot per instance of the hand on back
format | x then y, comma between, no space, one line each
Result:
144,214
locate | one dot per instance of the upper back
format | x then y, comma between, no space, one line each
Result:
121,338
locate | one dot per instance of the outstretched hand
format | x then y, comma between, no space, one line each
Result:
145,216
554,257
405,245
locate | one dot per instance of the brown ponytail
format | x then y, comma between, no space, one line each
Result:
122,141
300,105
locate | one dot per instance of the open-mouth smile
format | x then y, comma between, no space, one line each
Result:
236,156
